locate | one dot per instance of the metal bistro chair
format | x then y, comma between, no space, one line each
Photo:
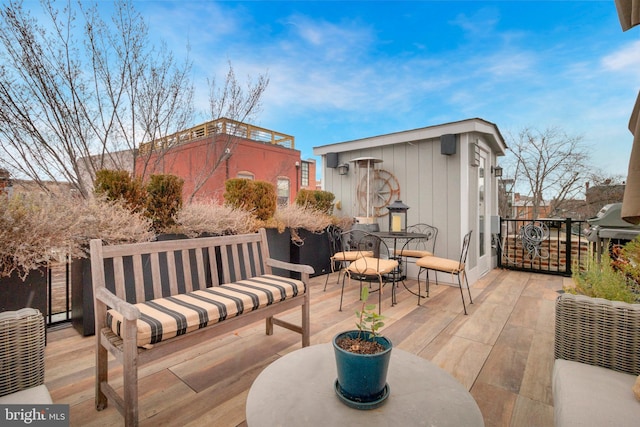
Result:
418,247
373,265
343,249
454,267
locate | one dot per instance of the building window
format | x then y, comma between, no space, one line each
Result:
246,175
304,174
284,187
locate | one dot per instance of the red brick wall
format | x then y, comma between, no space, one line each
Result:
267,162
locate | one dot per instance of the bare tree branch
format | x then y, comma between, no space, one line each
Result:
549,165
78,95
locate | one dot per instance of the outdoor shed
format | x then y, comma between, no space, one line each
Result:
447,174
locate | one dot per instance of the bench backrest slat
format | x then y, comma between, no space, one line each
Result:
118,273
143,271
155,275
138,276
186,265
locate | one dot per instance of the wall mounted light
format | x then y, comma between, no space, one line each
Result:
496,171
343,169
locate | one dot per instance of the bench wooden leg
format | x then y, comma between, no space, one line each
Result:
130,374
306,326
101,373
269,325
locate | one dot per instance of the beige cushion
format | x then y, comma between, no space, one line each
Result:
586,395
350,255
372,266
38,395
440,264
413,253
165,318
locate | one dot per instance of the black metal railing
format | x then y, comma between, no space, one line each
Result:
553,246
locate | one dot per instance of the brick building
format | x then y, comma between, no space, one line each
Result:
207,155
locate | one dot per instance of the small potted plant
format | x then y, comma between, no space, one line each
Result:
362,360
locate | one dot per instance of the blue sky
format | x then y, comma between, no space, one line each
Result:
343,70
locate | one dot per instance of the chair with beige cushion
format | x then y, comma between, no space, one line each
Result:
343,249
373,265
22,341
445,265
419,247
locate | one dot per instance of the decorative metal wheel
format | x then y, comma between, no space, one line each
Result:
383,187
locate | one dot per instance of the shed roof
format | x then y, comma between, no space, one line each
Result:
478,125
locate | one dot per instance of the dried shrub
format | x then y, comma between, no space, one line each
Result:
30,227
201,218
111,221
36,229
295,216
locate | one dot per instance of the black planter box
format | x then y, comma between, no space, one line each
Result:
82,313
313,250
16,294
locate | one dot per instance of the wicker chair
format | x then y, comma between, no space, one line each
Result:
22,341
598,332
597,351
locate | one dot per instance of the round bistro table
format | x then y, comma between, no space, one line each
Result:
298,390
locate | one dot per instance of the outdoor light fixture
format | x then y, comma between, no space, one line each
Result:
343,169
397,217
497,171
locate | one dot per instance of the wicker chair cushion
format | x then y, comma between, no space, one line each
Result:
165,318
586,395
350,255
440,264
413,253
369,266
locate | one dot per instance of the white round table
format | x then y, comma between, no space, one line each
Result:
298,390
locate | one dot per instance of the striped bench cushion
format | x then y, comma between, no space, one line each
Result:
167,317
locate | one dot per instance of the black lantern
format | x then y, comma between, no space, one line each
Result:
398,217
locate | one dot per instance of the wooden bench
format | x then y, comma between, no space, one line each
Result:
153,299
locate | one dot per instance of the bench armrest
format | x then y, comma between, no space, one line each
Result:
299,268
128,311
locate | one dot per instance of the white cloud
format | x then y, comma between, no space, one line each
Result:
626,58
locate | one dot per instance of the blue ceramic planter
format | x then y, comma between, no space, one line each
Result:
362,378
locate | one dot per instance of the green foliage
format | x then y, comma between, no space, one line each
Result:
316,199
265,199
258,197
117,185
602,281
238,194
164,200
368,319
629,264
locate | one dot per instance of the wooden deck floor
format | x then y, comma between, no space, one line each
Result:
502,352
